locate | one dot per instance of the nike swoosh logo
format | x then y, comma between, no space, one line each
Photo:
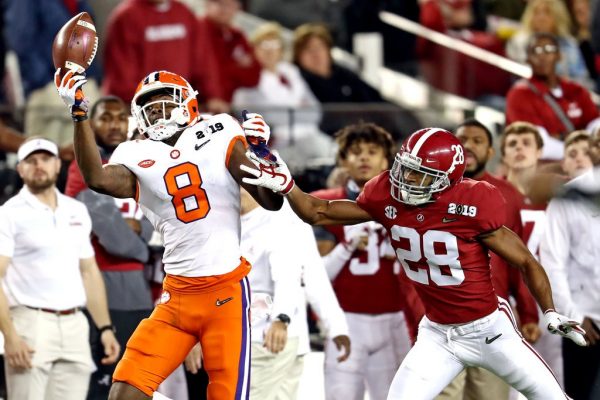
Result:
488,340
446,220
221,302
199,146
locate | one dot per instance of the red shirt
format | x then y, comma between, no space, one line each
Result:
507,279
228,47
105,260
438,247
379,289
141,38
523,104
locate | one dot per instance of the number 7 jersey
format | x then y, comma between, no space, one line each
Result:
189,195
437,245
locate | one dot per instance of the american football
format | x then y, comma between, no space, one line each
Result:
76,43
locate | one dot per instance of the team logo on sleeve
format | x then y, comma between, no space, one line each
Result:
146,163
391,212
462,209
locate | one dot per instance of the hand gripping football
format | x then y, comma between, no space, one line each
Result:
75,45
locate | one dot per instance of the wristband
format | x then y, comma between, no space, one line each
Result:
107,328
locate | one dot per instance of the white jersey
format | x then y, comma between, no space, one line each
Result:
188,194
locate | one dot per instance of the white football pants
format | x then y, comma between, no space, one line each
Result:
379,344
492,342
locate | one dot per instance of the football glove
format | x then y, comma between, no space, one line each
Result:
71,92
257,134
271,175
563,326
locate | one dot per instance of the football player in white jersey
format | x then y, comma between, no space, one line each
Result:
186,178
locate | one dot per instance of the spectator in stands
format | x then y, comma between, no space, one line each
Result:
119,235
550,17
29,29
285,100
48,275
332,83
276,275
569,252
149,35
329,82
227,45
478,383
11,140
360,259
521,148
557,106
452,71
580,9
577,157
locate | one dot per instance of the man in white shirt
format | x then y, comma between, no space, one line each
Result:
570,254
48,274
280,253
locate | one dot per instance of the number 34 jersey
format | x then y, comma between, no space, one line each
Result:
437,245
188,194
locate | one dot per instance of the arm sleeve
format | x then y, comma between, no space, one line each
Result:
85,249
336,259
554,255
285,273
319,292
7,235
491,208
113,233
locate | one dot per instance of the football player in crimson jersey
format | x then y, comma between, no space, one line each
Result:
478,383
360,259
186,178
442,227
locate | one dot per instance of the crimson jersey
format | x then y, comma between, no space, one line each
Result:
438,247
368,282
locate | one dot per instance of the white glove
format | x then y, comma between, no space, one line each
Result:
563,326
270,175
257,134
71,92
354,234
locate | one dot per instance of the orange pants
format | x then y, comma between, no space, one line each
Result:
213,310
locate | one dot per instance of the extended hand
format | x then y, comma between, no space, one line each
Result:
274,176
563,326
112,348
70,89
276,337
17,352
193,361
257,134
342,342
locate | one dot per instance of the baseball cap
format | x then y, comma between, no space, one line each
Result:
34,145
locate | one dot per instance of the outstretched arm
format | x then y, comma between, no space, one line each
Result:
111,179
317,211
509,246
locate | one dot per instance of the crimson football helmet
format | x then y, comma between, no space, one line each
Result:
434,158
183,105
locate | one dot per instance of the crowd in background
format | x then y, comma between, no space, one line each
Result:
324,114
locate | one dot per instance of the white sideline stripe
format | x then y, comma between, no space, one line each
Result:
488,57
422,140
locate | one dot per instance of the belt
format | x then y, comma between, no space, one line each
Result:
68,311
